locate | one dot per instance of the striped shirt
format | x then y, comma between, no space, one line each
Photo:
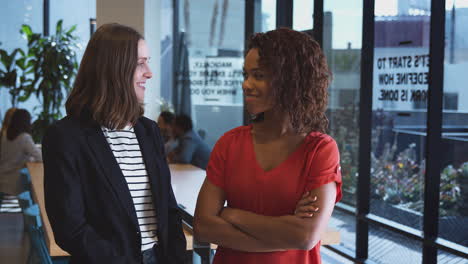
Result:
126,150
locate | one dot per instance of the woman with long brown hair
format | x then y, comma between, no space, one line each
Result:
17,147
106,181
270,171
7,120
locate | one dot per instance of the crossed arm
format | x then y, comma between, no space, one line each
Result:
246,231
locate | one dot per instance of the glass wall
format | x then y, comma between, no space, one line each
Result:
209,65
342,45
14,14
303,15
268,18
399,110
74,13
167,53
453,210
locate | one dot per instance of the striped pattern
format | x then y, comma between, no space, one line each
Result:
9,204
126,149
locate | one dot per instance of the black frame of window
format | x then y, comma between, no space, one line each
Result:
365,131
429,235
434,131
318,21
284,13
175,53
46,17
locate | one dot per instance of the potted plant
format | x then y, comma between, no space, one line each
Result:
13,75
53,65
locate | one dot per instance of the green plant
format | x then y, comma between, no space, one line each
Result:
344,129
14,75
400,181
449,189
53,66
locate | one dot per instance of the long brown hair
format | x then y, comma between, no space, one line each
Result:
20,123
299,76
7,120
104,85
6,123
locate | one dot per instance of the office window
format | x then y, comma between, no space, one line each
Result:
268,18
167,53
453,209
72,13
399,110
342,46
342,34
382,248
210,51
303,14
14,14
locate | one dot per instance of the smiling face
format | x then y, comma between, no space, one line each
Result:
257,90
142,71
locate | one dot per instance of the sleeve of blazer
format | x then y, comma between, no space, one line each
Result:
64,201
176,240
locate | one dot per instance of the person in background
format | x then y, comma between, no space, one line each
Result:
107,186
7,120
166,123
17,147
269,172
192,149
3,130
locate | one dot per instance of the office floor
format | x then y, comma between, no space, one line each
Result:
14,243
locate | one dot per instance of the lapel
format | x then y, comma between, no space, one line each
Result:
103,154
151,158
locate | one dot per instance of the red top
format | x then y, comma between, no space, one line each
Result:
233,167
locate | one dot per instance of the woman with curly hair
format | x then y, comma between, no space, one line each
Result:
280,175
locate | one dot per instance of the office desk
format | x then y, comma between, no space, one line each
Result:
186,183
36,170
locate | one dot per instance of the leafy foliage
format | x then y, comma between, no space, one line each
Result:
53,65
397,177
46,69
14,75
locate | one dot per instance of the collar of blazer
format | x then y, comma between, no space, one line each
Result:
111,170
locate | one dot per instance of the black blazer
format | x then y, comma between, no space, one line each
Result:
88,201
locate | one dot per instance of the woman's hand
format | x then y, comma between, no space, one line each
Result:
305,207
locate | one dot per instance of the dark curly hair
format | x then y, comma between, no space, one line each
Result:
298,74
184,122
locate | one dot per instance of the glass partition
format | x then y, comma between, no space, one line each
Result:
453,207
210,55
399,110
14,14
